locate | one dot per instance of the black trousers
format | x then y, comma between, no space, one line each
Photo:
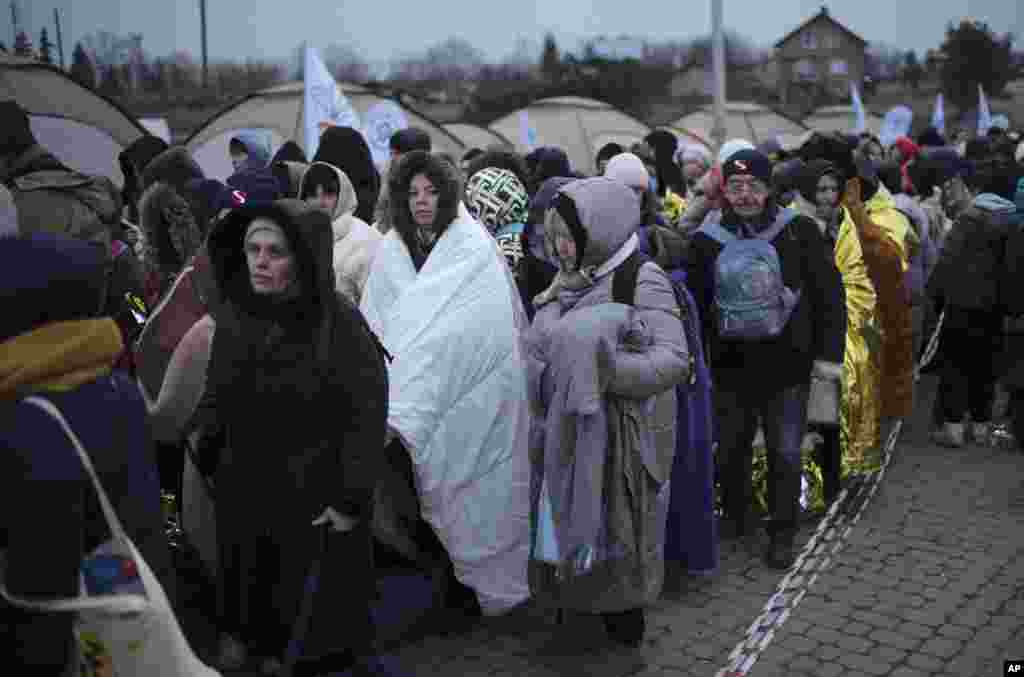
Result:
971,344
830,460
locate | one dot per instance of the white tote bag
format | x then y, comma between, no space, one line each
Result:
128,635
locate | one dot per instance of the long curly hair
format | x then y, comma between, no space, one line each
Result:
446,182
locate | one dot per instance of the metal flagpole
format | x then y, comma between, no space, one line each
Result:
718,71
60,39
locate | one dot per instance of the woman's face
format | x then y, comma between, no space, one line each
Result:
827,194
561,244
324,201
270,259
423,200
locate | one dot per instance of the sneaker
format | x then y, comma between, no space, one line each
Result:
231,654
950,435
980,433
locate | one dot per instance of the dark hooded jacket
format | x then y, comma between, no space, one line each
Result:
259,154
52,198
51,288
175,166
172,237
300,389
346,149
288,165
547,162
133,160
446,183
670,175
289,152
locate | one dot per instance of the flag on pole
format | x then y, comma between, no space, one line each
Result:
382,121
984,115
858,109
897,123
527,134
324,105
939,115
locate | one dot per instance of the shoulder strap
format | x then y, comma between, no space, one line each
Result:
125,603
718,233
116,529
624,279
783,220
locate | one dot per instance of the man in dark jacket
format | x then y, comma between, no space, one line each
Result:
965,284
54,344
52,198
49,196
768,378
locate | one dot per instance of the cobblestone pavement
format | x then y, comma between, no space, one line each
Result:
931,582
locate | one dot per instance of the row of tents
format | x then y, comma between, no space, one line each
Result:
88,131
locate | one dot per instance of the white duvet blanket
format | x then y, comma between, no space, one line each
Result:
458,400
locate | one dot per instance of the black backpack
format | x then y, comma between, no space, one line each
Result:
624,280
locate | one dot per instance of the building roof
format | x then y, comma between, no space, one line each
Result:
823,14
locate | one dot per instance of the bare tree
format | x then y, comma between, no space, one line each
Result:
449,67
102,47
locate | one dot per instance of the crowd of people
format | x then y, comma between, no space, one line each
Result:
527,383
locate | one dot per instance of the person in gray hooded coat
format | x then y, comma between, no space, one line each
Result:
601,380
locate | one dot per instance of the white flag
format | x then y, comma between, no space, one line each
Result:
896,124
858,109
324,105
527,134
939,115
984,115
382,121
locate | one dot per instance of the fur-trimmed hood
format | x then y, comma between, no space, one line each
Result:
170,232
447,183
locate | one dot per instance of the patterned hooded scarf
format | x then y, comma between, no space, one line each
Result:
497,198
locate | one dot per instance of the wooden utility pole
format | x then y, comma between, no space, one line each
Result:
718,71
60,40
202,28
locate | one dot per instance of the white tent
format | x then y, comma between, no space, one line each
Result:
840,119
743,120
475,136
278,113
158,127
576,125
82,129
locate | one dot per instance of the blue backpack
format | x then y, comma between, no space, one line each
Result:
752,303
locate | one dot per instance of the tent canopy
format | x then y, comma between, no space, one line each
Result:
82,129
475,136
576,125
743,120
840,119
277,112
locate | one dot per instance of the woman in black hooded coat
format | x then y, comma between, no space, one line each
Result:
346,149
299,387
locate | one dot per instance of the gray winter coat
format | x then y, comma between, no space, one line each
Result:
602,379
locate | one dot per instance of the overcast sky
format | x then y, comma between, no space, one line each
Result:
380,30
